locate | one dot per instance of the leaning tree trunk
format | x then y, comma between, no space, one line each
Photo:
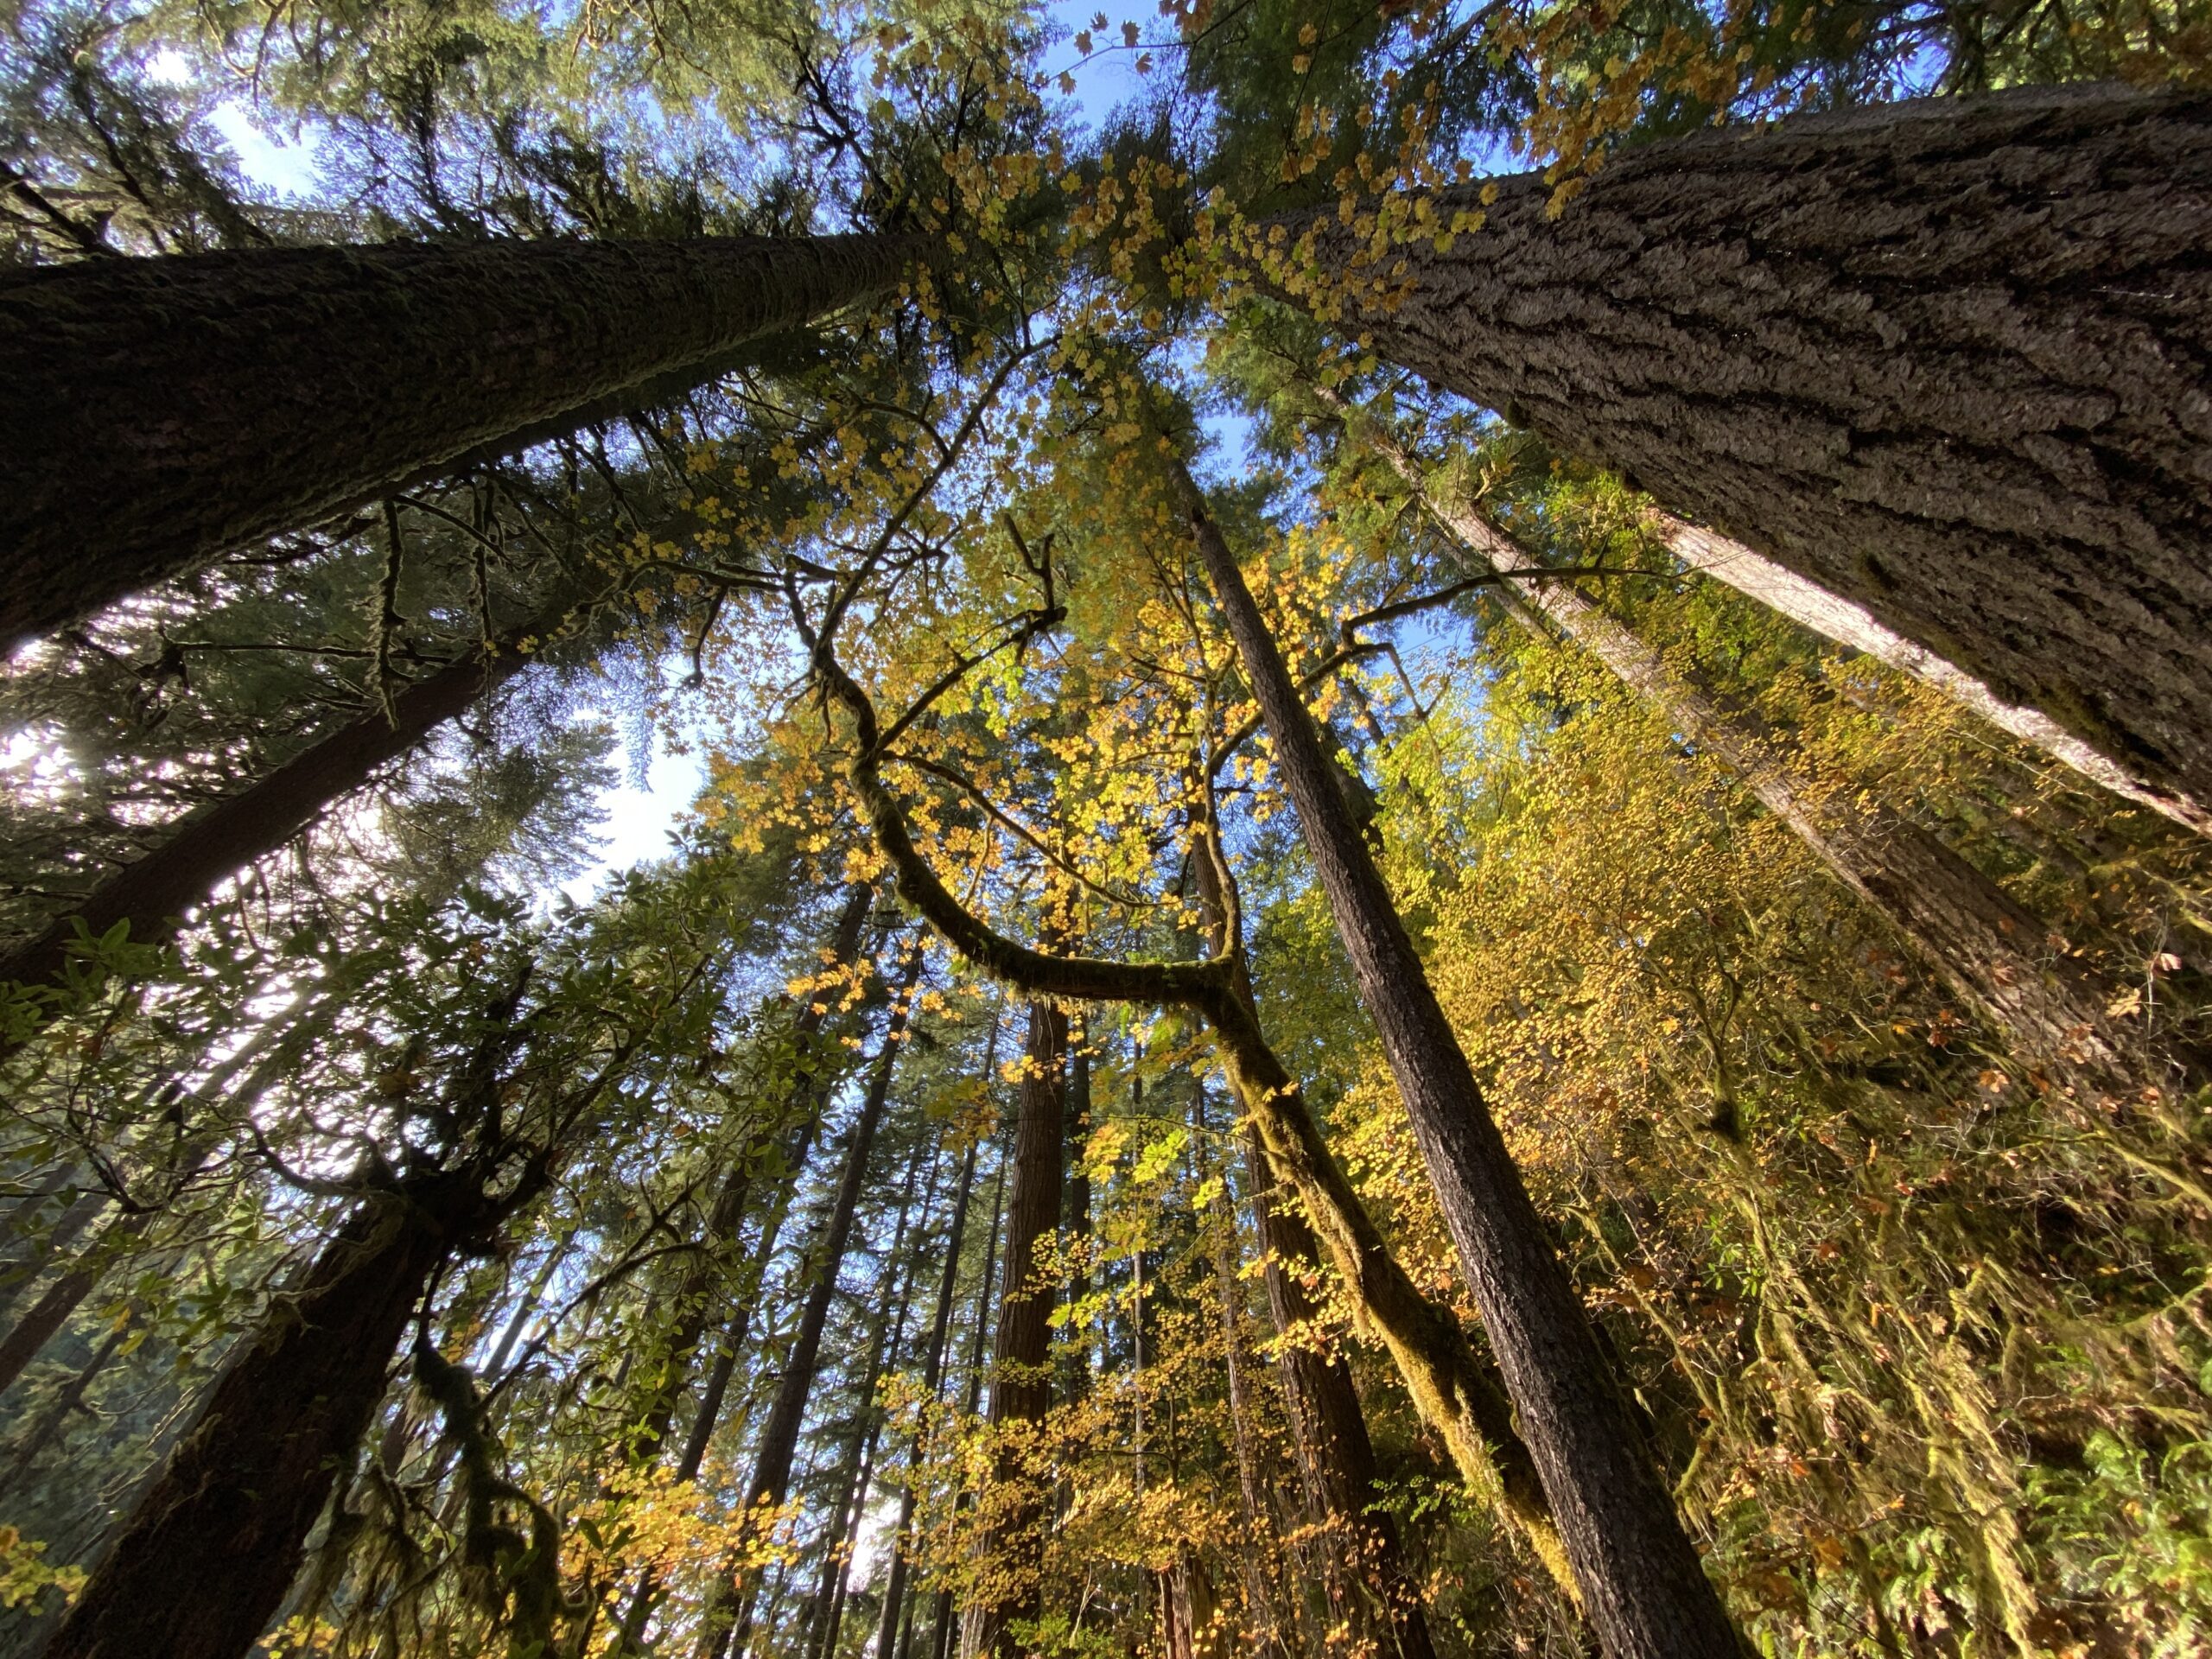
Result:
727,1626
205,1558
151,892
1950,359
160,411
1021,1382
1989,947
1834,617
1642,1586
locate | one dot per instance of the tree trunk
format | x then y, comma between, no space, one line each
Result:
1642,1584
1947,359
1453,1392
151,892
205,1557
887,1642
727,1625
694,1301
1021,1384
941,1632
161,411
1990,949
1075,1356
66,1403
1833,617
1371,1591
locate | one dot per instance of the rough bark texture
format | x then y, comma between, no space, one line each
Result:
1990,949
1950,359
160,411
1642,1584
1021,1383
205,1556
1834,617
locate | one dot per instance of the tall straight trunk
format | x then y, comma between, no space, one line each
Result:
1075,1359
1989,948
1453,1391
888,1644
1834,617
1372,1590
152,891
65,1404
1255,1557
728,1623
940,1630
1642,1584
161,411
1021,1381
694,1301
1950,359
205,1557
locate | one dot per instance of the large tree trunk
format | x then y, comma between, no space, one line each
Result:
1950,359
729,1622
160,411
1642,1584
206,1555
1834,617
941,1628
1989,948
1021,1383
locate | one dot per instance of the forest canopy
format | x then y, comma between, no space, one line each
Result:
1448,887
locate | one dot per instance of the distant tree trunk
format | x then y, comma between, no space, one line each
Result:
941,1631
1834,617
66,1403
210,846
1075,1367
1950,359
205,1557
1021,1384
1642,1586
884,1343
161,411
889,1644
727,1626
1989,948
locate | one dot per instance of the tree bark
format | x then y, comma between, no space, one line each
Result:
1833,617
206,1555
161,411
1021,1382
1950,359
729,1622
1642,1584
942,1629
1989,948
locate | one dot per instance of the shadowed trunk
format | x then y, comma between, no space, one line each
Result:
728,1624
161,411
205,1558
1021,1382
1947,358
1642,1583
208,846
942,1631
